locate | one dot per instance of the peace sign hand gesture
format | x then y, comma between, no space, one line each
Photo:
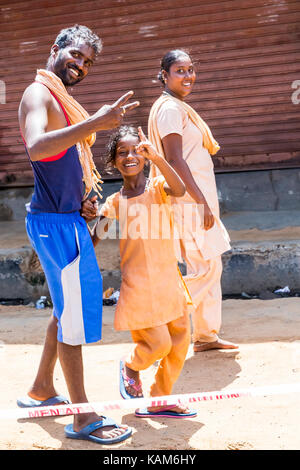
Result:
111,116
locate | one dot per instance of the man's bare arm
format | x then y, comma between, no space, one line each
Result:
34,120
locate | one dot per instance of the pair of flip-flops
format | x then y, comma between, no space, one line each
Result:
165,412
86,432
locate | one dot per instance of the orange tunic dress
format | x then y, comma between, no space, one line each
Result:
151,292
170,118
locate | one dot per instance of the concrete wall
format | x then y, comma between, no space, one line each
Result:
254,268
268,190
13,200
250,267
12,203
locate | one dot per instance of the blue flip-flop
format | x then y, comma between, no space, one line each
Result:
131,382
28,402
165,413
85,433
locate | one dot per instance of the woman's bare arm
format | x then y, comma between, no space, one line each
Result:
172,144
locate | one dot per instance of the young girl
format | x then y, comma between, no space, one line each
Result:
152,302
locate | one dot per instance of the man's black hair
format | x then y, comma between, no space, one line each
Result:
68,35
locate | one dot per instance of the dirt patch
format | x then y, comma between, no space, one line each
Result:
268,333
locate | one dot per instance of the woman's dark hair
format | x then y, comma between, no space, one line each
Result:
113,142
168,59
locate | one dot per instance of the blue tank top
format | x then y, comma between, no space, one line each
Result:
58,184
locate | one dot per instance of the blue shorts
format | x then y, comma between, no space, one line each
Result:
65,249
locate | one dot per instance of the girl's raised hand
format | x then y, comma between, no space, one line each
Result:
145,148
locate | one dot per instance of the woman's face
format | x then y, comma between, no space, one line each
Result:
181,77
127,160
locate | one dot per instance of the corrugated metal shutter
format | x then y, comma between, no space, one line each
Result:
247,53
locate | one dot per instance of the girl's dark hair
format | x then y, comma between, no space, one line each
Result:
113,142
168,59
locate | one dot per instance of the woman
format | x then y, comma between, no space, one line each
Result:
185,140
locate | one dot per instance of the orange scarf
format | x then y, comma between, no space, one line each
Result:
208,140
76,113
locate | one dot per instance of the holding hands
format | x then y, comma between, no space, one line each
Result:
89,209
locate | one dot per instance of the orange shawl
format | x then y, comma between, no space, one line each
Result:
76,113
208,140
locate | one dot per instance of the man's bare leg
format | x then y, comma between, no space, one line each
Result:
43,386
71,361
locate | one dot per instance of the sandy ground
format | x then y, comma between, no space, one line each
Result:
268,332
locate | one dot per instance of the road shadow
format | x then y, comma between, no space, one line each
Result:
171,435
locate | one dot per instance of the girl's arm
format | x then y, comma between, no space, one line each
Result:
89,209
175,186
100,228
172,144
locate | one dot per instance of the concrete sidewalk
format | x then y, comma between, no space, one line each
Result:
265,255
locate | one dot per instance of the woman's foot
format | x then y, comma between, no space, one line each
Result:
168,411
218,344
181,409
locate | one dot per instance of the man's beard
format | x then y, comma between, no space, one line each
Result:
62,73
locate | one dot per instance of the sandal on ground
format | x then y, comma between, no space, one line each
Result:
86,432
165,412
126,381
218,344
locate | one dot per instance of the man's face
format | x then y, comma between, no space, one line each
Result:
72,63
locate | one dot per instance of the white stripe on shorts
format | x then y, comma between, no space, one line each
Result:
72,317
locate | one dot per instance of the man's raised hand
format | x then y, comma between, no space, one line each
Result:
111,116
121,105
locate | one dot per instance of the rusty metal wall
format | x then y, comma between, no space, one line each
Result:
247,54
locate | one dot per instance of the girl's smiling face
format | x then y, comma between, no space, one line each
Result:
181,77
127,160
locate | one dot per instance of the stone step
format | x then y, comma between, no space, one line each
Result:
265,255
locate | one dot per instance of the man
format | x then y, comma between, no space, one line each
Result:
58,133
